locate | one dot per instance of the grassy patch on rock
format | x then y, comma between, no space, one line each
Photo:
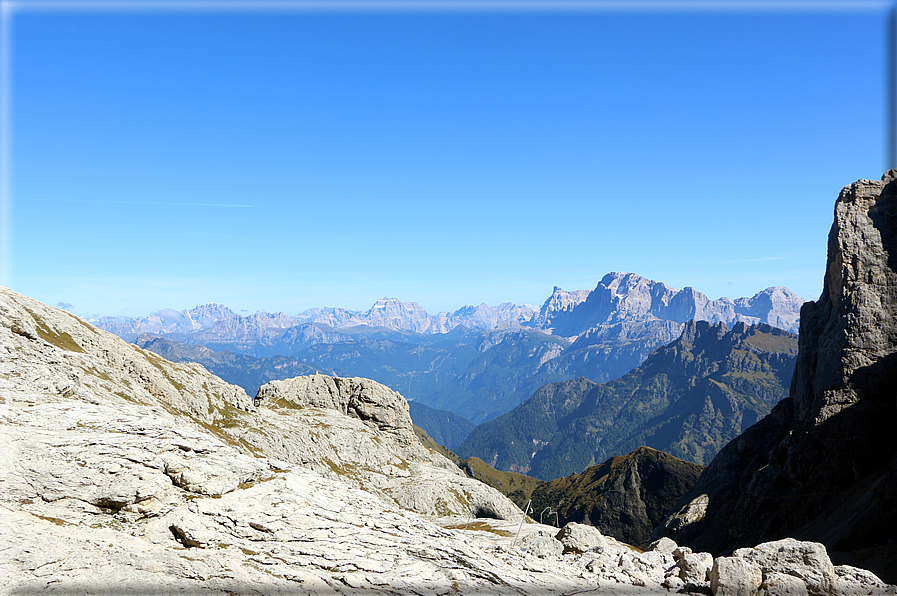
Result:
48,334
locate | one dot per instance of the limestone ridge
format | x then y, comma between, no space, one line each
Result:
823,464
53,356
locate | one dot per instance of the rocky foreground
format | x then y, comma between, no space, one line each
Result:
123,473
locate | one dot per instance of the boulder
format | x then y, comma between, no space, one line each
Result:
578,538
781,584
807,561
734,576
541,544
694,568
851,581
369,401
663,545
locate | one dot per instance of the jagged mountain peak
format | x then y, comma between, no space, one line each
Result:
560,301
628,297
393,306
211,310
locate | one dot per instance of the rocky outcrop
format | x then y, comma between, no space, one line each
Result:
359,431
823,465
354,430
378,406
625,497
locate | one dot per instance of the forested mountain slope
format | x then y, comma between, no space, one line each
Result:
688,398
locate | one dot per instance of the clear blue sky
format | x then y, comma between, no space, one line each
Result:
286,159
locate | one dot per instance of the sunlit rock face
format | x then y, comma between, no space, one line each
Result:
823,465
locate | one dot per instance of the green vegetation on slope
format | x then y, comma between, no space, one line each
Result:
446,428
517,487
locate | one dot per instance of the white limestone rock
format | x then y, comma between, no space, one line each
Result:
369,401
781,584
860,582
807,561
578,538
663,545
694,568
735,576
541,544
359,431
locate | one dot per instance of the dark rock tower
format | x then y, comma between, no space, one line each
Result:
823,465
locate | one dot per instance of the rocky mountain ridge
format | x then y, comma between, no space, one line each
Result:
625,497
823,465
626,297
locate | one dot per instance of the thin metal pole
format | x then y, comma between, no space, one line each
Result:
526,511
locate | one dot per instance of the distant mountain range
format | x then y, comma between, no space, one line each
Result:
619,297
478,362
387,313
688,398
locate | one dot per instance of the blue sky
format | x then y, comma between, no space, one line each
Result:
286,159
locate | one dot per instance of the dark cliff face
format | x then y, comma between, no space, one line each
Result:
822,466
